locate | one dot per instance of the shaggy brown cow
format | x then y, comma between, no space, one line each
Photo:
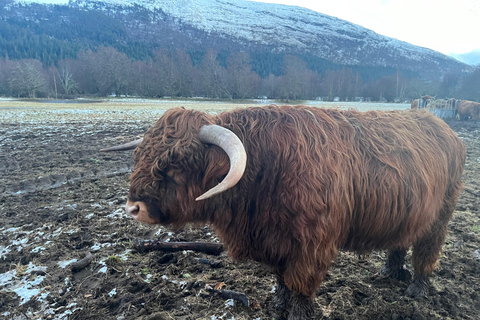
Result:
468,109
422,102
306,183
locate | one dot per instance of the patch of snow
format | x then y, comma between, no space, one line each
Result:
124,255
59,2
20,244
26,293
70,309
113,292
64,264
97,246
119,213
12,229
148,278
37,249
4,251
21,284
7,277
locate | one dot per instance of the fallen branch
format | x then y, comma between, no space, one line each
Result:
229,294
79,265
205,247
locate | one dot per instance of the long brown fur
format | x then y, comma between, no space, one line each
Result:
468,109
317,180
422,102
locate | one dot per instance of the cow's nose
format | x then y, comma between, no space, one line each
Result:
132,210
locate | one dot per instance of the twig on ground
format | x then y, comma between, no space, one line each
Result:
229,294
79,265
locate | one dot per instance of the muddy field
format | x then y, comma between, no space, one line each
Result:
60,198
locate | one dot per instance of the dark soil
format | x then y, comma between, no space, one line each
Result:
61,198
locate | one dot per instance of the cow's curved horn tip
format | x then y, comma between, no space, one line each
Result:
205,196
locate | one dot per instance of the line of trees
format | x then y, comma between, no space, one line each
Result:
106,71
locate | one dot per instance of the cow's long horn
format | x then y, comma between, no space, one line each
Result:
126,146
235,150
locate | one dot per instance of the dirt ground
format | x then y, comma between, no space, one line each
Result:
61,198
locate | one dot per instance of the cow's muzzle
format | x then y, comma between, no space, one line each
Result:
139,211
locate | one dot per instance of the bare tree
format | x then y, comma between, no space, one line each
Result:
214,76
144,79
6,68
449,84
185,85
66,80
296,79
343,83
242,81
27,78
269,86
109,70
166,75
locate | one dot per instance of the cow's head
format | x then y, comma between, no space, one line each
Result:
175,161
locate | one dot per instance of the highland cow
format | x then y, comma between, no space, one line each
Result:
421,103
299,183
468,110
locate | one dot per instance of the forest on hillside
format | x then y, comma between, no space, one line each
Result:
106,71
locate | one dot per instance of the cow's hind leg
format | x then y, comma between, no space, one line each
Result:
394,267
425,256
426,252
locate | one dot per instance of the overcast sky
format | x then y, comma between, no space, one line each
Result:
447,26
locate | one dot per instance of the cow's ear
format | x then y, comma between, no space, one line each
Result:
217,165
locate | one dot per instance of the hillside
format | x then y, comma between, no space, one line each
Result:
51,32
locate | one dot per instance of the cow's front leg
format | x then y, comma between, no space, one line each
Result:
281,299
301,307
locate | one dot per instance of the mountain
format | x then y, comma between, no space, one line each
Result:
471,58
138,26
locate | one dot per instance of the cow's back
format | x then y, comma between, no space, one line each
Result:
411,161
373,177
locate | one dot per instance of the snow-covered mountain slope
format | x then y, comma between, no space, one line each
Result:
273,27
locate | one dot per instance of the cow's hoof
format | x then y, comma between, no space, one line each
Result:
418,288
301,309
400,274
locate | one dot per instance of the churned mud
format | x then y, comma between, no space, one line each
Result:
61,199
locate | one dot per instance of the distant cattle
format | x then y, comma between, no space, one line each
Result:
422,102
468,110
